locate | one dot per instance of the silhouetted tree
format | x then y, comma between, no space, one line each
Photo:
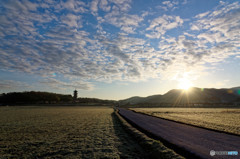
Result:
33,97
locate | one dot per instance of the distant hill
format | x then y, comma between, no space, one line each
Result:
133,100
194,96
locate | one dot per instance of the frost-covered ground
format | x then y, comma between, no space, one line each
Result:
222,119
69,132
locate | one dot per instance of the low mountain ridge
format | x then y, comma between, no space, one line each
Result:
190,97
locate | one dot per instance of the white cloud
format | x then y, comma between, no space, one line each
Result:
45,43
128,29
171,5
13,85
116,14
94,6
75,6
160,25
119,18
105,6
219,32
54,83
72,20
60,49
201,15
123,5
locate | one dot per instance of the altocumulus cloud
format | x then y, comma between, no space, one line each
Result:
102,40
13,85
54,83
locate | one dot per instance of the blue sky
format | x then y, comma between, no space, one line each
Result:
115,49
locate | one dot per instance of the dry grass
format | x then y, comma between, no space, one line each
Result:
69,132
222,119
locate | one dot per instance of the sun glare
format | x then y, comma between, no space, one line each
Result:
184,84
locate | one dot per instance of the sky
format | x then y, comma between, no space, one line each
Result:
115,49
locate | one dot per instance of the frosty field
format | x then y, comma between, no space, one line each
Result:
69,132
222,119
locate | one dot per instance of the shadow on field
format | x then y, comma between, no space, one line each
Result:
128,148
153,149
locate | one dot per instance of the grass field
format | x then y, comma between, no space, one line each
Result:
227,120
69,132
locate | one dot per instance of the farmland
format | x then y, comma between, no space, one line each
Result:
221,119
72,132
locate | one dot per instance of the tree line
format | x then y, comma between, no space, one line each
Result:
33,97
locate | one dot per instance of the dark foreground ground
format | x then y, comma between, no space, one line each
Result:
64,132
197,142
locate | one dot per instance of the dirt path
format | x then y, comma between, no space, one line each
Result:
196,141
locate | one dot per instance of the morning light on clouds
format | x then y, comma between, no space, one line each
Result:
96,46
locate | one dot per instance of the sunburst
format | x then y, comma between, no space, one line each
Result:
184,83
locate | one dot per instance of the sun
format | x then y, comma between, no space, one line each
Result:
184,84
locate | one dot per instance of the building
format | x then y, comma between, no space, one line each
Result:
75,94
